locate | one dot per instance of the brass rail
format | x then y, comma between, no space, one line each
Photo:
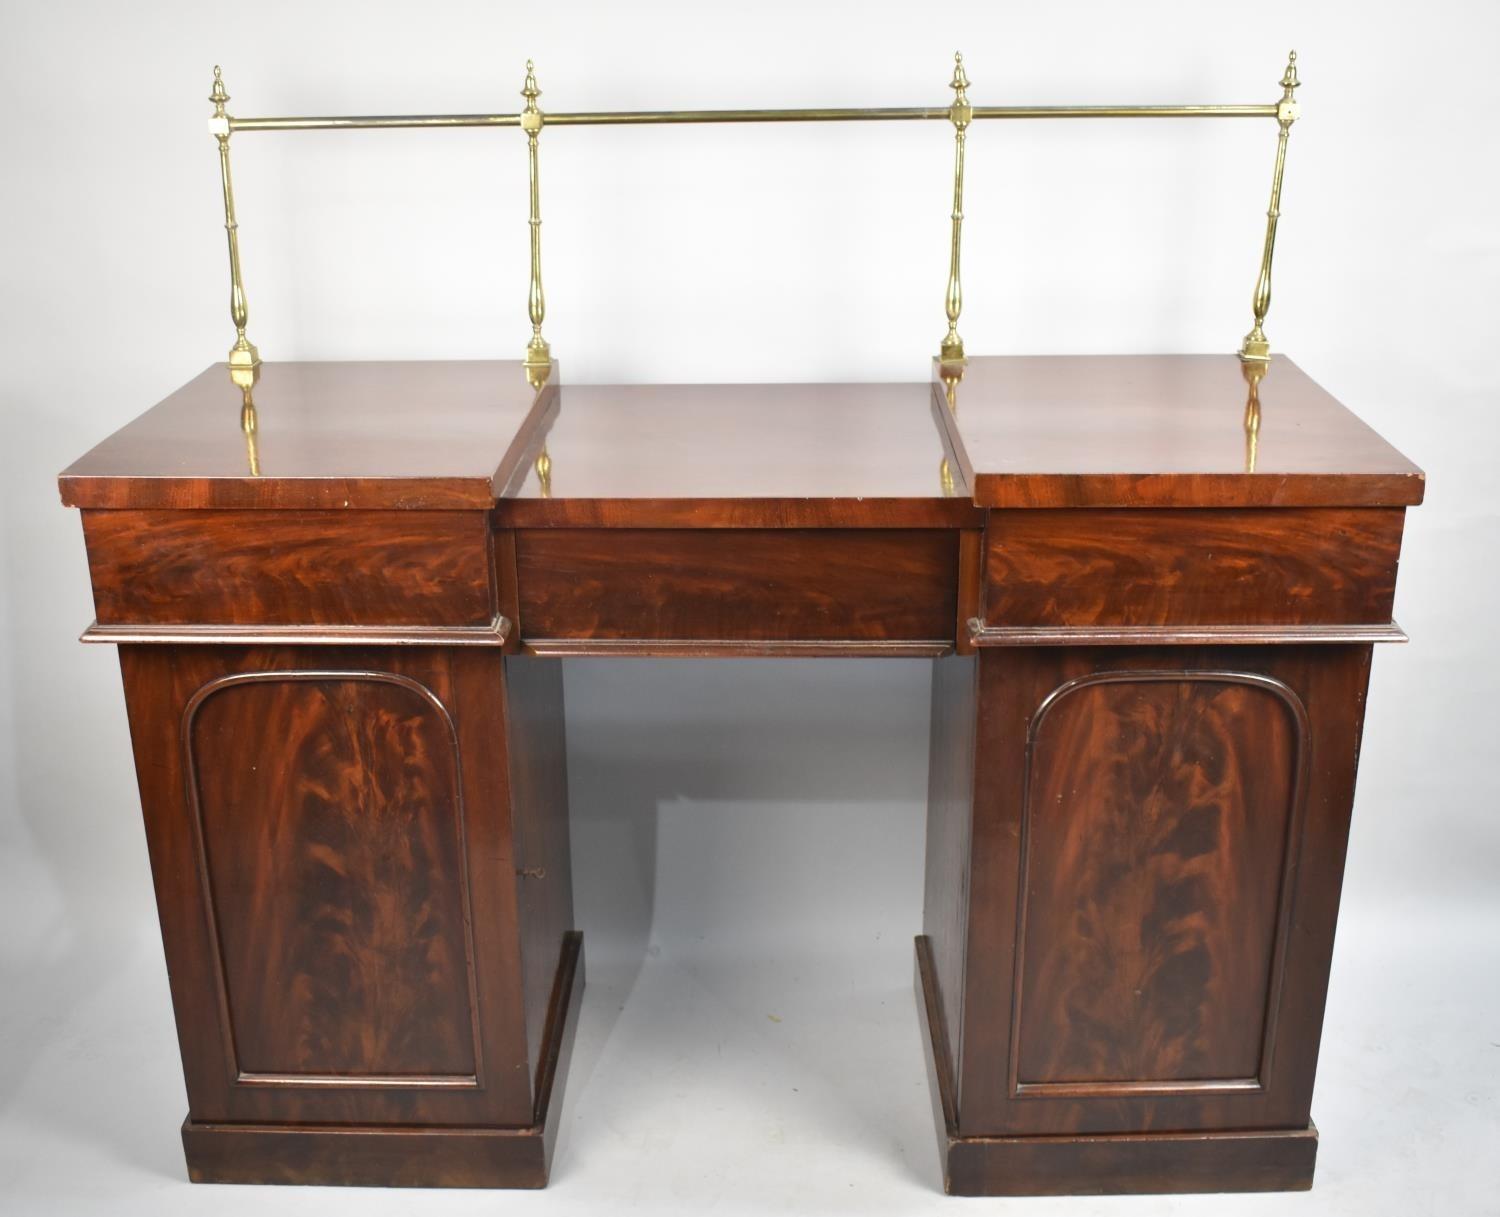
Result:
245,361
625,118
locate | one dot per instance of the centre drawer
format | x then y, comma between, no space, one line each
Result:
872,589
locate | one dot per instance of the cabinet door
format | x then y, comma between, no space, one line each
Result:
330,836
1158,845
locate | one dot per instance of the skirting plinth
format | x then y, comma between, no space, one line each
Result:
1259,1160
405,1157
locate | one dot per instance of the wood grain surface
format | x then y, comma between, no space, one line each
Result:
1239,1160
1155,922
349,736
375,568
738,456
338,434
741,584
1334,566
950,793
334,869
333,832
438,1155
1162,431
1158,816
536,744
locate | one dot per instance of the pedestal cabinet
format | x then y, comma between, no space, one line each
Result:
1150,587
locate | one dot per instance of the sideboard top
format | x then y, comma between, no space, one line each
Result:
360,434
755,455
1164,431
1013,432
467,435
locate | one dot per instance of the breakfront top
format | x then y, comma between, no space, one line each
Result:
1013,432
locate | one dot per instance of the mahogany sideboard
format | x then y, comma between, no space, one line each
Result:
1150,601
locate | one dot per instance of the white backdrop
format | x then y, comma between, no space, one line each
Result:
748,836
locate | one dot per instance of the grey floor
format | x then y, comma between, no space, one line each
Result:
747,1082
749,1040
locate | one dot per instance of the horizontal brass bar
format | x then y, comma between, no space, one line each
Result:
1125,111
621,118
362,122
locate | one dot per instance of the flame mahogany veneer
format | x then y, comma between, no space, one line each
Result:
341,674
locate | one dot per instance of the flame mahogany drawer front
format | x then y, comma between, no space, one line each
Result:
370,568
772,585
1151,567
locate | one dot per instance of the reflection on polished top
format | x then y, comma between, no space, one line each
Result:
1165,430
1046,431
763,454
417,433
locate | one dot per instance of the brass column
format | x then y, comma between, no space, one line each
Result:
538,353
1255,346
960,113
244,359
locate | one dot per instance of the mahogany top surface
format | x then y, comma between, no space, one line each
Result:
428,434
749,454
1164,431
1029,431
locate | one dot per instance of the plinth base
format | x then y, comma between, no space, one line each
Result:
1083,1164
365,1156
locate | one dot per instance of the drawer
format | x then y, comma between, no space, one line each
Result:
1161,567
276,568
738,586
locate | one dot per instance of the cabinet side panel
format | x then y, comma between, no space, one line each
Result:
539,794
950,791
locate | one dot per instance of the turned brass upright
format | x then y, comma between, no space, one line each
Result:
538,353
960,113
244,359
1255,346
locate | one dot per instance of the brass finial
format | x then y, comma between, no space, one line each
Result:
1289,79
960,114
960,81
538,353
1256,347
244,359
945,477
1286,108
